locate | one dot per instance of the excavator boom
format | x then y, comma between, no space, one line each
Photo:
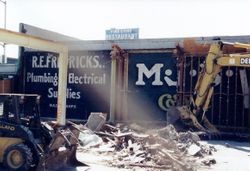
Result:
194,113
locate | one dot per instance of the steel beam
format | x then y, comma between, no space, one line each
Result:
20,39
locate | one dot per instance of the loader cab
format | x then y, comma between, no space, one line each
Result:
21,109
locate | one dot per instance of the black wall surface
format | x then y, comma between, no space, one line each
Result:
88,81
151,88
152,85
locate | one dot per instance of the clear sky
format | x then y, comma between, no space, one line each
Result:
88,19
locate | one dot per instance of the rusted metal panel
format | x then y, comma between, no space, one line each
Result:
191,47
119,82
6,86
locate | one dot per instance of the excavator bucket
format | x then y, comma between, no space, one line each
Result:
61,152
182,118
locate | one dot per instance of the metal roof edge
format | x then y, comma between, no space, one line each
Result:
162,43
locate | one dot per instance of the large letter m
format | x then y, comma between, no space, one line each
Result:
155,70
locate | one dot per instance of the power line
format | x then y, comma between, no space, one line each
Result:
5,14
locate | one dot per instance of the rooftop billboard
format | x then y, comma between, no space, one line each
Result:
122,34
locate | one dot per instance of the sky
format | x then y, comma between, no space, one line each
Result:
88,19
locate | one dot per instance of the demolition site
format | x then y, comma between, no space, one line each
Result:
124,103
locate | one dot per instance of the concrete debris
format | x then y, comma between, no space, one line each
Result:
188,137
209,162
160,149
96,121
88,139
168,132
193,149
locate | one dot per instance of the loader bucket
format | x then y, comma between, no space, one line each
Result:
61,151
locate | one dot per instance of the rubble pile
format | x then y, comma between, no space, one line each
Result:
160,149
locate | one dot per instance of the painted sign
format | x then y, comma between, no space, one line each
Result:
88,82
152,85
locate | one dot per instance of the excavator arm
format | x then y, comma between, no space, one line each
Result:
204,88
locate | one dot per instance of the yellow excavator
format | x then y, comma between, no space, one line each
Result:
194,115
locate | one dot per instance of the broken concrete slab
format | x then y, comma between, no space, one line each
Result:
193,149
88,139
96,121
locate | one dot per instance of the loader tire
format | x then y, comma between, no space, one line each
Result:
17,157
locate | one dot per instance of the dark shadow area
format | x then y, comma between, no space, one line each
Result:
83,168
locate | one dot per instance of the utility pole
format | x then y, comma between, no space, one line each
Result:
4,26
